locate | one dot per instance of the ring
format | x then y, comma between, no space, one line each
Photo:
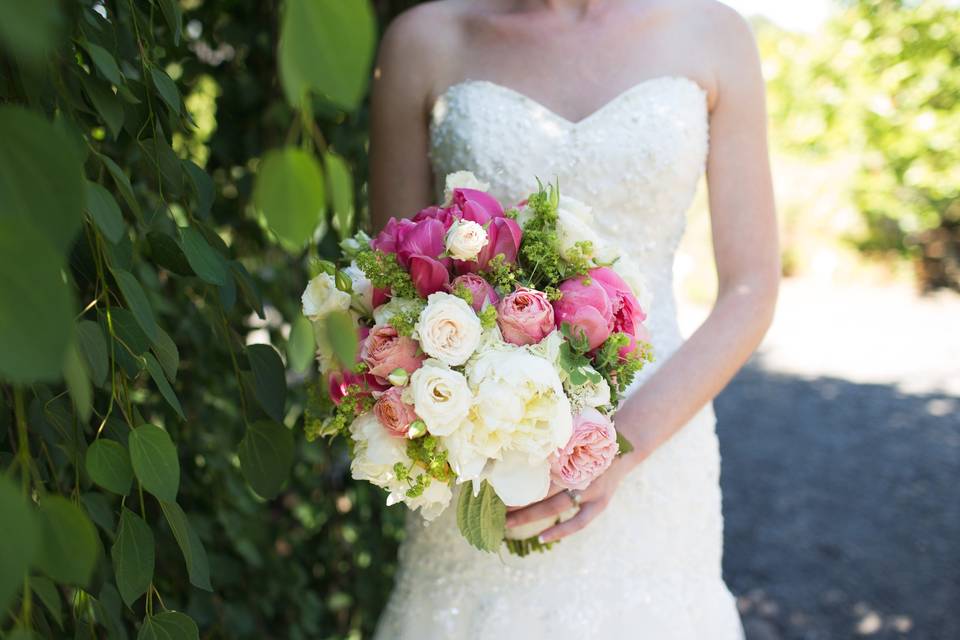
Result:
574,497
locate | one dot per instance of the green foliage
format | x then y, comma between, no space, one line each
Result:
482,518
384,272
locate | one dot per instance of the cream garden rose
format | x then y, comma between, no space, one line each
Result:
440,396
465,239
321,298
448,329
575,223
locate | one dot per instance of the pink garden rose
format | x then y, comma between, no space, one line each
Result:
525,316
393,413
589,452
586,308
627,314
481,290
385,350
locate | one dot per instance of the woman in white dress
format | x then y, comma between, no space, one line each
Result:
626,103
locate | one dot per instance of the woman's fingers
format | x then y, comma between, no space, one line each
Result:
587,512
552,506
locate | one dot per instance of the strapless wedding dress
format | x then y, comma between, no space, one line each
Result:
649,566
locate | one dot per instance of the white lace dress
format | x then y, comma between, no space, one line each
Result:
649,566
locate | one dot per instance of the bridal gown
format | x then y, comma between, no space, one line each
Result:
648,567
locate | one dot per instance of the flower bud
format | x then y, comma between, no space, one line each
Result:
417,429
344,283
398,377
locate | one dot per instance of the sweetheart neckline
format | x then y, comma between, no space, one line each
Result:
643,84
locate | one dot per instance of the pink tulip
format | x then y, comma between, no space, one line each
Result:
340,383
478,206
480,289
586,308
503,237
525,317
429,275
387,239
425,238
446,215
589,452
627,314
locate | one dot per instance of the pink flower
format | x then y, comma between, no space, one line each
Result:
627,314
525,316
481,290
393,413
340,383
586,308
503,237
386,240
589,452
446,215
428,275
424,238
385,350
479,206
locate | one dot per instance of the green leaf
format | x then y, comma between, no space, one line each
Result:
155,462
106,102
300,347
48,594
169,625
289,194
105,212
41,177
123,183
247,287
99,510
161,161
624,444
159,379
341,333
172,14
137,301
266,455
167,353
36,306
167,89
30,29
270,383
104,61
341,193
194,554
93,348
203,185
133,557
126,328
327,48
78,383
482,518
108,465
207,263
69,545
166,252
20,534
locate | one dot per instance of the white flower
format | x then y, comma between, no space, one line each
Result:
465,239
462,180
440,397
362,289
383,313
448,329
630,271
322,297
575,223
375,454
588,394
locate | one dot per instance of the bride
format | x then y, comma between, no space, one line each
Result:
626,103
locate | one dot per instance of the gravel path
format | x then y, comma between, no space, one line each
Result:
841,470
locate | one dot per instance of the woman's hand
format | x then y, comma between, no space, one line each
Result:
593,500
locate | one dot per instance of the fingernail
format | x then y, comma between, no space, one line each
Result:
542,540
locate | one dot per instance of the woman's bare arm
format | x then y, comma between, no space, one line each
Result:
404,80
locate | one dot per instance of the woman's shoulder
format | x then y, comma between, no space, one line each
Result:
425,29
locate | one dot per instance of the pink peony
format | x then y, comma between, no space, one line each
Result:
385,350
481,290
525,316
586,308
589,452
627,314
393,413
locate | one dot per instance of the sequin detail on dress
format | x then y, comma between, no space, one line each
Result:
649,566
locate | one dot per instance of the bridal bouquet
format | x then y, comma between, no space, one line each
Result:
493,346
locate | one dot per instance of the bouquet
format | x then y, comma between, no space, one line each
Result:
491,346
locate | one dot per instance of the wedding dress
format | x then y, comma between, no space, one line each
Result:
648,567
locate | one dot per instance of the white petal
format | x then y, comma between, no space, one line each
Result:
519,481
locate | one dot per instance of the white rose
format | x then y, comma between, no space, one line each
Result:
462,180
383,313
465,239
440,397
588,394
448,329
362,289
376,453
629,270
321,297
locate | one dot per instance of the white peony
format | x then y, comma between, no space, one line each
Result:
383,313
448,329
375,454
462,180
440,397
629,270
575,223
465,239
321,297
362,295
